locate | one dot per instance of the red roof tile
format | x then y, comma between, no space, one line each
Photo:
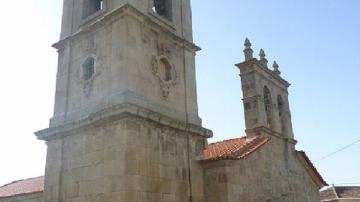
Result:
342,192
328,194
22,187
348,192
233,149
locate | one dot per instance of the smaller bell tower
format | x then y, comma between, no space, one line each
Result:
265,97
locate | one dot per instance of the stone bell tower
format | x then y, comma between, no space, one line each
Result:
133,51
265,93
125,124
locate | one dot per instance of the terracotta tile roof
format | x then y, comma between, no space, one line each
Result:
22,187
328,194
315,172
233,149
342,192
348,192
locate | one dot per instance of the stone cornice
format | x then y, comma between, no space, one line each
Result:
128,10
259,66
118,112
252,97
262,129
218,163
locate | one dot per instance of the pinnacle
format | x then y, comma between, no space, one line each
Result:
262,53
247,43
263,59
248,51
275,65
276,68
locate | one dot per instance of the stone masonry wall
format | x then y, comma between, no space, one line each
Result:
271,174
130,160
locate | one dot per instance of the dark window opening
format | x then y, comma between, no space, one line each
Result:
247,106
281,113
165,69
163,8
88,69
268,106
281,106
92,6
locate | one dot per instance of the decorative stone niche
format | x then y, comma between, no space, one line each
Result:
165,72
87,73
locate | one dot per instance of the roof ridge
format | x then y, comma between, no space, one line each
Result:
358,186
228,140
20,180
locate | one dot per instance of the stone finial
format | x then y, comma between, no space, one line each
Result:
276,68
247,43
263,59
248,51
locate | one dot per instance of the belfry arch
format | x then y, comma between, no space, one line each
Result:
281,110
268,106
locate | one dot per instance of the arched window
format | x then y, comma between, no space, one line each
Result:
281,108
163,8
92,6
268,106
88,68
165,69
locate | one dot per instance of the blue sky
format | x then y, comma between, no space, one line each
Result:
316,44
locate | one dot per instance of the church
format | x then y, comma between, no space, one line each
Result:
126,126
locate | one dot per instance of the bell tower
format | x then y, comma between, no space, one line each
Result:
133,51
125,124
265,97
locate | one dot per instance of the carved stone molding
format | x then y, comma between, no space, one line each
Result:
164,49
145,32
87,85
127,10
117,112
166,79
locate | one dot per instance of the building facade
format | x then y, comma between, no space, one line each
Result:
126,124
